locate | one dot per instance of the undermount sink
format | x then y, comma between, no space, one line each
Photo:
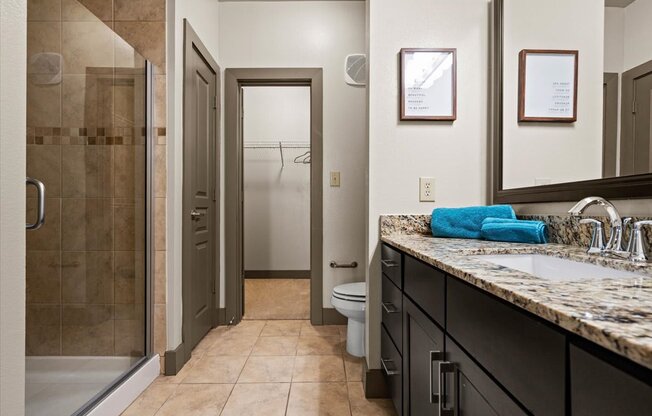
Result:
555,268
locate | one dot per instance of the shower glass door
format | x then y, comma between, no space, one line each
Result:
88,264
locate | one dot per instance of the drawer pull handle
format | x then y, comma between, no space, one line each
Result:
435,356
389,307
387,370
389,263
446,367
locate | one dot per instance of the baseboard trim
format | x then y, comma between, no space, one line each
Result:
373,382
277,274
331,316
175,360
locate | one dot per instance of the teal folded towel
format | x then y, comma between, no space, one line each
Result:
514,231
466,222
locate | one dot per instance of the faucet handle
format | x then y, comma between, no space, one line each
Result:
627,222
597,244
638,247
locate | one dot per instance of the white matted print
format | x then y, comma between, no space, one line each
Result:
547,85
428,84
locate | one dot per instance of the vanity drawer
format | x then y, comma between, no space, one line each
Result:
426,286
392,310
526,356
392,264
392,368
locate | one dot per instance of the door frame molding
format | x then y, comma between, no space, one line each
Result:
182,353
234,80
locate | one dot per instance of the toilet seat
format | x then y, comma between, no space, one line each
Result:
354,292
348,298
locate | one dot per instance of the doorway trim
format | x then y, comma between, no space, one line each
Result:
175,359
234,80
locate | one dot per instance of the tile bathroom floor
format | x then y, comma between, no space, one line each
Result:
277,299
265,368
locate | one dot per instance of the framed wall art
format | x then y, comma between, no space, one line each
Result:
428,84
547,85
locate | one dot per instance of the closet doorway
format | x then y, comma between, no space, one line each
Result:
276,203
273,194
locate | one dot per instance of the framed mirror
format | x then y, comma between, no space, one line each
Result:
605,148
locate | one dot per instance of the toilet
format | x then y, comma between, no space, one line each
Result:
349,300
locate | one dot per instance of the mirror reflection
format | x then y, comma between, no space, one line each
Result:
611,134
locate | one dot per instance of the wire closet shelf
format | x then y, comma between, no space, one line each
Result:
280,145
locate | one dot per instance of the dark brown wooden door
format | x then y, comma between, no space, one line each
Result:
635,138
200,147
642,95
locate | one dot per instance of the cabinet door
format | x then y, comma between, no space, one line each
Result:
524,354
602,388
423,347
470,391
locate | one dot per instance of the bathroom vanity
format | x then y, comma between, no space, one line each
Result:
464,336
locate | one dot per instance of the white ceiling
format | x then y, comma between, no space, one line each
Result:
618,3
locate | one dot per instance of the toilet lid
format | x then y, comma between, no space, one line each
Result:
355,291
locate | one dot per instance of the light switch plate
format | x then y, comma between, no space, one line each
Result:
335,179
426,189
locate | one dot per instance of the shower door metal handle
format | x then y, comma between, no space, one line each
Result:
40,210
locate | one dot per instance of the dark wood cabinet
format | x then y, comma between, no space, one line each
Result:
423,349
392,366
464,352
472,391
426,286
391,262
392,311
525,355
600,388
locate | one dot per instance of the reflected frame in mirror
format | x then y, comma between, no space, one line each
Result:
623,187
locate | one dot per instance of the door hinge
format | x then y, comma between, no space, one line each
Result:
634,107
214,194
215,102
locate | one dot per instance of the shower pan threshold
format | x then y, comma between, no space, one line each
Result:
56,385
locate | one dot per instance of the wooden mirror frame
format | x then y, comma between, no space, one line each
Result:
623,187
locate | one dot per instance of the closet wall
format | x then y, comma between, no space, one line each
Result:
276,193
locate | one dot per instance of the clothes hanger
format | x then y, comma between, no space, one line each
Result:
299,159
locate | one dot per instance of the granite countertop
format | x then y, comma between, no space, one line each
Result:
614,313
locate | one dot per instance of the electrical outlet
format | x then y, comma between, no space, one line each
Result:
426,189
335,179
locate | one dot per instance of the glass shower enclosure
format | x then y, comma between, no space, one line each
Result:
89,143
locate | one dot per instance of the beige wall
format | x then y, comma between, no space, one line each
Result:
315,34
13,32
400,152
532,150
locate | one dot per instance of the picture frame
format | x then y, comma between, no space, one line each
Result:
547,85
428,84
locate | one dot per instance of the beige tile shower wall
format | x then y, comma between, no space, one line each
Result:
86,142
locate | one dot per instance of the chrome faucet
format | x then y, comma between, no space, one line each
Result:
615,243
637,248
